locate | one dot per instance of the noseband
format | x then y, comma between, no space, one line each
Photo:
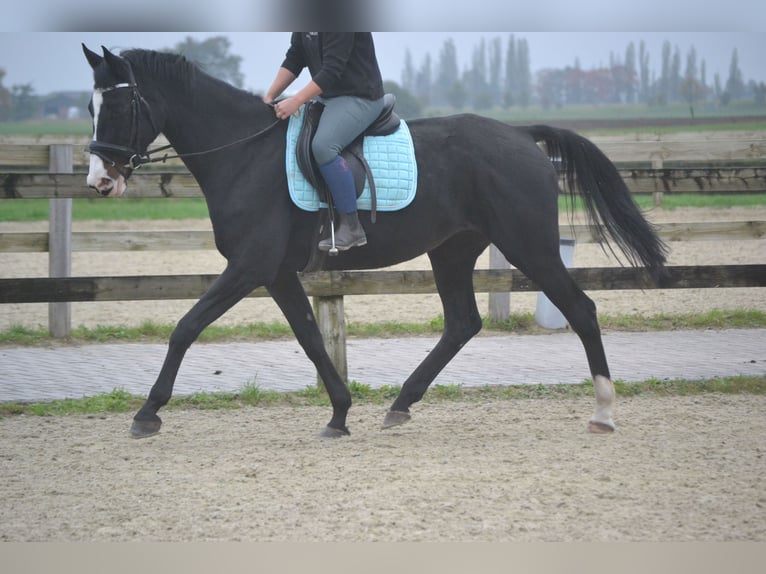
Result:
136,156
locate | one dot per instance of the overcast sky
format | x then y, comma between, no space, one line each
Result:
40,41
53,61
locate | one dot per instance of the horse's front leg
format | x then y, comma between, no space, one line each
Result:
288,293
232,285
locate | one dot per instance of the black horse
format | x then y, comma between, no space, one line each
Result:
479,182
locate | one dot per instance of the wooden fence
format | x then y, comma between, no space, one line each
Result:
655,164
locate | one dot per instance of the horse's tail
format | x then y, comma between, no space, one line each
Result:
611,208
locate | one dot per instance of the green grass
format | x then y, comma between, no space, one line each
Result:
672,201
104,209
47,128
716,319
119,401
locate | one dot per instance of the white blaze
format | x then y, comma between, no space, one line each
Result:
98,176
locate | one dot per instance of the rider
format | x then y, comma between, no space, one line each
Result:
346,78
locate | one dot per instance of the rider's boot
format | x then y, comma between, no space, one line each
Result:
340,181
350,233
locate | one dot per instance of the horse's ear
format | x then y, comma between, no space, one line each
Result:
119,66
93,58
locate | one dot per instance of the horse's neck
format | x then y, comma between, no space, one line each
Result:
209,116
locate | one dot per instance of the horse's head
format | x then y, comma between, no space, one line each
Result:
123,125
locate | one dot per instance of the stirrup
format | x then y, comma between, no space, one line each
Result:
333,249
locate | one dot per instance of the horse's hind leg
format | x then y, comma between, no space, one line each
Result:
232,285
550,274
453,263
288,293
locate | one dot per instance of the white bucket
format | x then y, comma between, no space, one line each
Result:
547,314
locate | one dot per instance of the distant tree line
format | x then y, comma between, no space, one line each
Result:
500,77
20,102
495,78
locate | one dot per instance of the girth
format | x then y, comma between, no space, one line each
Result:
386,124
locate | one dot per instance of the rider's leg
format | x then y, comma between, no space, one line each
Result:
343,119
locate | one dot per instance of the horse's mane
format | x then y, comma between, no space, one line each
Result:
174,67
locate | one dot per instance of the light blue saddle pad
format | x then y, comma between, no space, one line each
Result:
391,159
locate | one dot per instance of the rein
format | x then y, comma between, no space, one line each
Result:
139,159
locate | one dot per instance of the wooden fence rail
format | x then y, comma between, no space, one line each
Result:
329,287
686,162
340,283
656,164
649,148
648,180
92,241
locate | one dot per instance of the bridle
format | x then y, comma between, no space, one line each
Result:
137,156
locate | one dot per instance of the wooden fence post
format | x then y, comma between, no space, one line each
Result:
499,303
60,241
657,196
332,324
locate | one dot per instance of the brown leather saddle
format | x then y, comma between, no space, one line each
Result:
386,124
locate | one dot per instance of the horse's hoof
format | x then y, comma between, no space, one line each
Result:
330,432
599,428
395,418
144,429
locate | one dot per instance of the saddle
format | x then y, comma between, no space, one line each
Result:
386,124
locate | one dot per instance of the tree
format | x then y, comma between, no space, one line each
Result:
550,88
760,93
407,105
524,73
598,86
717,89
675,75
691,64
703,79
735,85
24,103
423,81
643,62
691,89
212,55
574,83
663,95
408,73
476,78
511,91
495,70
5,99
456,95
447,75
631,88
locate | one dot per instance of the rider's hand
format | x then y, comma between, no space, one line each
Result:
287,107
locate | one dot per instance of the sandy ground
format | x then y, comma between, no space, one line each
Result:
677,469
376,308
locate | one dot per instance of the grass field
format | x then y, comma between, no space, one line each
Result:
127,209
47,128
104,209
